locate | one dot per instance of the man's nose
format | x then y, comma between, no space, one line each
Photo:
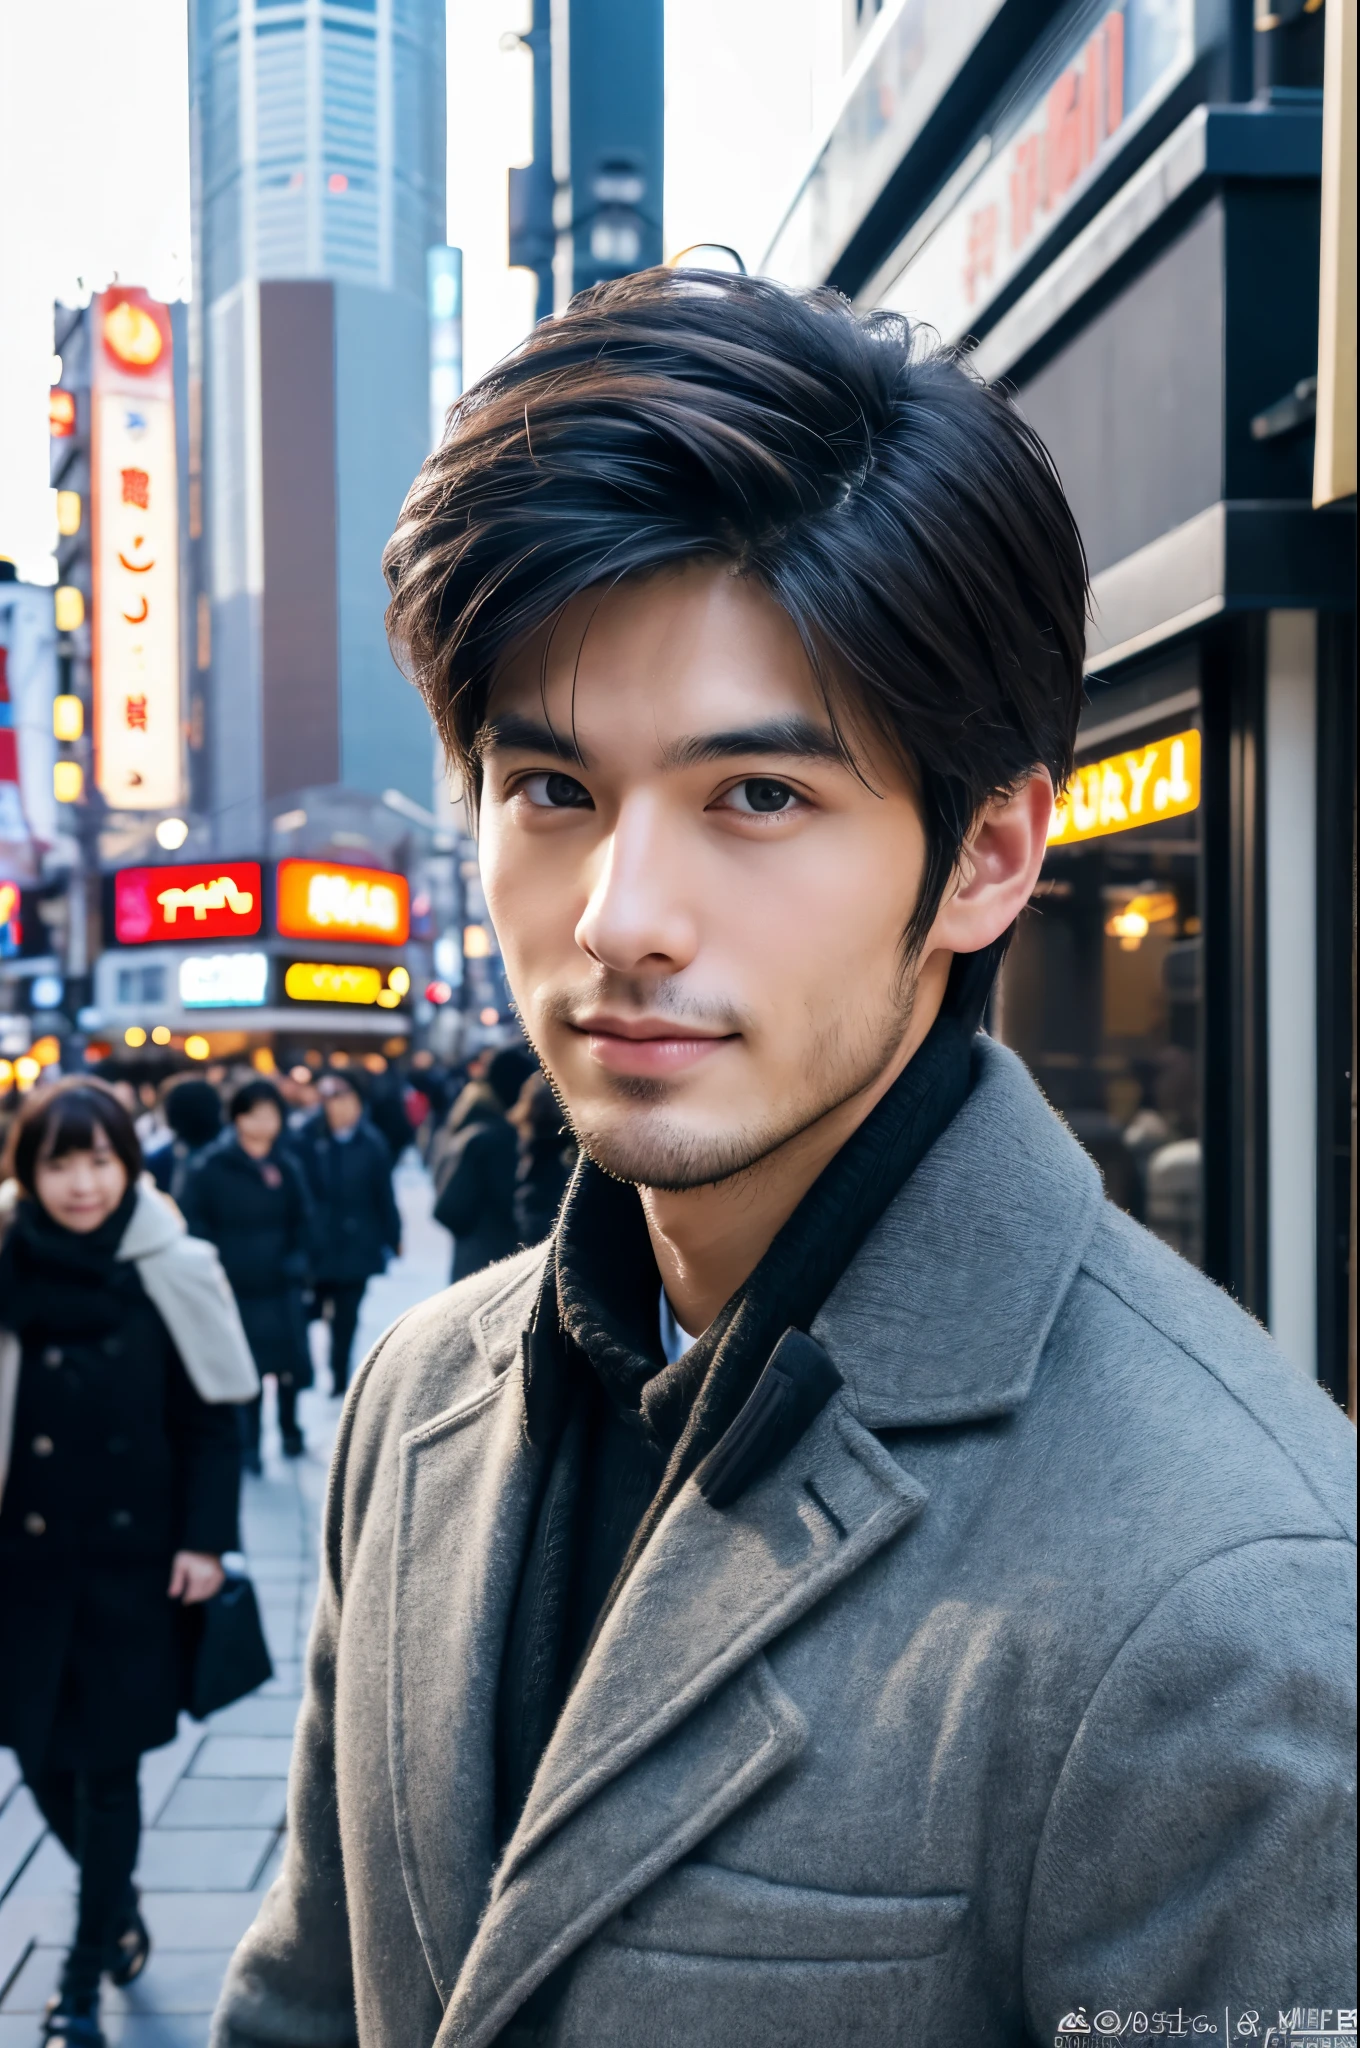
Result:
639,918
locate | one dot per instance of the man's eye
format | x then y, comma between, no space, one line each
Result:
760,797
555,792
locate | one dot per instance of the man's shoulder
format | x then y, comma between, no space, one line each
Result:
1182,1346
449,1348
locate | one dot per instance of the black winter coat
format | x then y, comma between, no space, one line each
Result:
117,1463
356,1221
259,1215
477,1200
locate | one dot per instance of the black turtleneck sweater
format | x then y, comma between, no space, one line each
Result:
623,1428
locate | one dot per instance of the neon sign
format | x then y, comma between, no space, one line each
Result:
316,981
1142,787
213,900
223,980
320,900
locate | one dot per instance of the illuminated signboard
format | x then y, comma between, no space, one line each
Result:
223,981
212,900
1036,165
1149,783
135,535
320,900
316,981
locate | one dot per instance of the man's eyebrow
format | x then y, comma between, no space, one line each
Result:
527,736
799,738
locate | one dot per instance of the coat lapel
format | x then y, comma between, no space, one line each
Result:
676,1719
465,1496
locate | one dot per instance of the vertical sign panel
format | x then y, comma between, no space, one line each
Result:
137,723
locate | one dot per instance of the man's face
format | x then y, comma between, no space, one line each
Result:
700,905
342,1106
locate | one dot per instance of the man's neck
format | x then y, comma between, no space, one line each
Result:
708,1240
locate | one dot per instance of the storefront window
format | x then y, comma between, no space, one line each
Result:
1102,994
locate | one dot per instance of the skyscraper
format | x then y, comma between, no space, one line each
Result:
318,187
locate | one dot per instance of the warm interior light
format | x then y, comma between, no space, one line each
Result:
46,1051
134,1036
400,980
1134,920
438,992
263,1061
171,833
6,1074
68,782
476,942
26,1071
61,414
302,1075
196,1046
68,513
68,718
68,608
490,1016
161,1035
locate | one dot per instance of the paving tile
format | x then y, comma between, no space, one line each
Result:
225,1803
176,1981
270,1869
48,1874
152,2030
21,1829
161,1769
286,1682
243,1756
199,1919
256,1716
202,1859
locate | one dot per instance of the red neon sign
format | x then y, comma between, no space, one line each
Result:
210,900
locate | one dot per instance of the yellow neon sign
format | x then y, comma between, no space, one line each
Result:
310,981
1158,781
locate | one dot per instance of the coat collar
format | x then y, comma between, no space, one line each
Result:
943,1314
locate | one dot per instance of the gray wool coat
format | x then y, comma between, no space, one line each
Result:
1022,1687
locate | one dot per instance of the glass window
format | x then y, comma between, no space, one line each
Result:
1102,993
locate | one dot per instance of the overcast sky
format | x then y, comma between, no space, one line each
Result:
94,172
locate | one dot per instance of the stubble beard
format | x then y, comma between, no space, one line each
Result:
651,1144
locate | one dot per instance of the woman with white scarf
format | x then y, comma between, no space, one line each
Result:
121,1354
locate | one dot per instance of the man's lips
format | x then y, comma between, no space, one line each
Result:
652,1046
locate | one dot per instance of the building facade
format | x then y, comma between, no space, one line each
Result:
318,137
1115,208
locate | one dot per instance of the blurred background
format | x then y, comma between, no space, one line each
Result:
254,249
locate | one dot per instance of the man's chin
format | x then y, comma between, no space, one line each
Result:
671,1154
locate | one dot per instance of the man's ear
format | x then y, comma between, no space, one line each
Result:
997,869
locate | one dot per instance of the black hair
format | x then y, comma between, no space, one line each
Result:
900,510
249,1096
64,1118
193,1110
507,1071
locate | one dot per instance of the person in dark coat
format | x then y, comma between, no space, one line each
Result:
475,1180
193,1112
247,1196
546,1158
119,1499
357,1223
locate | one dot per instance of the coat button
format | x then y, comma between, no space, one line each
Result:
43,1446
52,1355
120,1519
34,1525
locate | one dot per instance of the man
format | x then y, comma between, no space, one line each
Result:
358,1225
948,1637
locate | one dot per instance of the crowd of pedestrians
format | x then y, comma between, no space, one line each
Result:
158,1261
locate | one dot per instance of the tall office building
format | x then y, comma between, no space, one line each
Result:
318,188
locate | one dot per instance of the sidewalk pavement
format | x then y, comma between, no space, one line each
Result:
212,1800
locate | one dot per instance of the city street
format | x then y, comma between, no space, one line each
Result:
213,1800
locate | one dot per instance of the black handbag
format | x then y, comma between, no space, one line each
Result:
225,1655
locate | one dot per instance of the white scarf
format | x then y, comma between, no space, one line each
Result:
190,1293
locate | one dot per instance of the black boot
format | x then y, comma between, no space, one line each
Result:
72,2017
131,1947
